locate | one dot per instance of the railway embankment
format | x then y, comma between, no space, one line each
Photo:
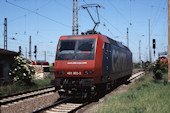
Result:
145,95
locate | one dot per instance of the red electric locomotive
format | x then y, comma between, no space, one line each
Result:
87,63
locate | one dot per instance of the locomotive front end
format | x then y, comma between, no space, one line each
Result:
75,65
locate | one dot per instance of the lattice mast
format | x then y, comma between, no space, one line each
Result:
75,18
5,33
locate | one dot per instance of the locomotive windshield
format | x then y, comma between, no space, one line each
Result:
80,49
67,46
85,45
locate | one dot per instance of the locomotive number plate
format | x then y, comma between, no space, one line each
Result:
73,73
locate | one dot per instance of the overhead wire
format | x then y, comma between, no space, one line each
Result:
108,21
39,14
68,8
158,13
115,28
130,12
152,6
21,42
129,22
164,39
111,4
29,12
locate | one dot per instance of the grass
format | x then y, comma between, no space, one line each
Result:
146,96
17,88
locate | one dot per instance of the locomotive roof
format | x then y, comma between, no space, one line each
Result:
117,43
105,39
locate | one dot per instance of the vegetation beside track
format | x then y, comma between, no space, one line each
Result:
147,95
21,77
22,87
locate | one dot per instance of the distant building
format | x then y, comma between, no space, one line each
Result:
6,59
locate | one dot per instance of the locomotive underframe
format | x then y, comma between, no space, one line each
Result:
84,87
75,87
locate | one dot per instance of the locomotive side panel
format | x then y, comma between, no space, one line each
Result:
106,66
99,59
117,62
121,62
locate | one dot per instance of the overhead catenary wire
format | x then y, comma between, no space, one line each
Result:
39,14
107,21
111,4
148,5
28,13
156,18
115,28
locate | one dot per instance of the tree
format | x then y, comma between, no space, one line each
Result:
21,71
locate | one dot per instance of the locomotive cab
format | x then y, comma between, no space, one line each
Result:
75,63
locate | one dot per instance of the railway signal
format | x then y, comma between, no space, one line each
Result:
154,43
35,52
35,49
154,46
19,49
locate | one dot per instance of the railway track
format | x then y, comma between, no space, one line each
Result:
63,106
135,75
25,95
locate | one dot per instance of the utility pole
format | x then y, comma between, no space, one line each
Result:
45,56
5,33
146,55
139,51
127,38
75,18
25,52
30,47
150,59
168,40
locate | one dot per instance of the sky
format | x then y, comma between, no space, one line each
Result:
46,20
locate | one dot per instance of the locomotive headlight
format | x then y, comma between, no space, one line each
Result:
60,73
87,72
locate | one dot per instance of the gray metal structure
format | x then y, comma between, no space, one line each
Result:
5,33
93,5
75,18
30,47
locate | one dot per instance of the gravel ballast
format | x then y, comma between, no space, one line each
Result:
31,104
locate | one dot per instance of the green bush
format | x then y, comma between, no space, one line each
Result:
151,67
18,87
20,71
136,65
159,68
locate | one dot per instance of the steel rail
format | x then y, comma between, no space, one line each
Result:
25,97
16,94
74,110
50,106
136,75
